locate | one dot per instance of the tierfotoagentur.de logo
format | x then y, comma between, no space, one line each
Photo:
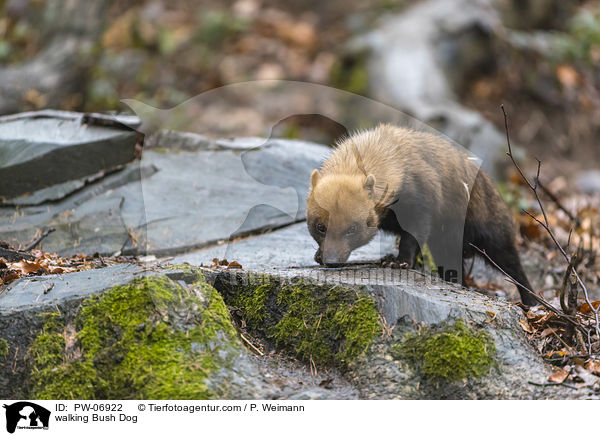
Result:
24,415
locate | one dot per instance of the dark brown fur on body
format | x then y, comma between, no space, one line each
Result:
415,185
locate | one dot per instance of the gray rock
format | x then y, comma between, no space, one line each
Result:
375,375
200,198
103,217
284,248
241,376
407,300
51,193
399,293
45,149
178,141
589,181
43,291
188,192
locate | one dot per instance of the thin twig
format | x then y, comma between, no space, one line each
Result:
313,367
39,239
541,300
246,340
563,342
553,384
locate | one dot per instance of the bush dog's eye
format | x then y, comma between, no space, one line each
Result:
351,230
321,228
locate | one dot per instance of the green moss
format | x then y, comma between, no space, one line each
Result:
455,353
4,348
323,326
186,268
254,304
48,348
350,74
76,380
149,339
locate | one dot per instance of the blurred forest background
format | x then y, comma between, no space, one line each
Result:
540,58
541,61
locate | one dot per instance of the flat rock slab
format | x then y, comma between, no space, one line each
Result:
196,194
44,149
43,291
102,218
281,249
200,198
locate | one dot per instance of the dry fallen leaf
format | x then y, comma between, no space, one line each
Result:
515,178
26,266
593,367
529,228
8,276
234,265
49,263
585,308
525,325
548,332
559,353
559,376
60,269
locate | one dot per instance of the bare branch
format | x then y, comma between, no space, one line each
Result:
546,225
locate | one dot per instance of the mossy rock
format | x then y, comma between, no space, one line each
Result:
318,324
448,354
150,339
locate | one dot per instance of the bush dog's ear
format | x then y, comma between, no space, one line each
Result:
314,178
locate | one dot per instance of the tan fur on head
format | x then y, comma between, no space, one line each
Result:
341,214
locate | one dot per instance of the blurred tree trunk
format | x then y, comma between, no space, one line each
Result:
58,74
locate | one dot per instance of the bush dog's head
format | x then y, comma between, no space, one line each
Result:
341,215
